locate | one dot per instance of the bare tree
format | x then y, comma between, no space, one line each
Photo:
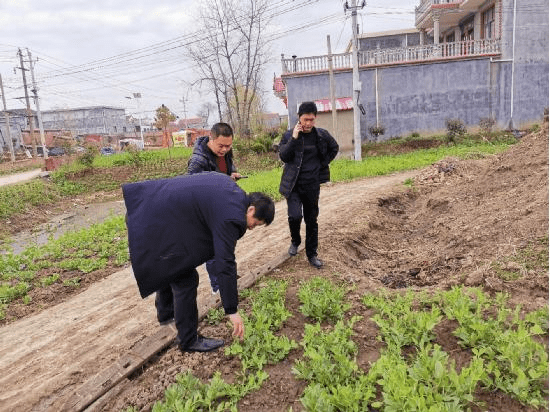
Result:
204,113
232,55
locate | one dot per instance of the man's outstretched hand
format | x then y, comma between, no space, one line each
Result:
238,325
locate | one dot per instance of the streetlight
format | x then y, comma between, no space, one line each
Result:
137,96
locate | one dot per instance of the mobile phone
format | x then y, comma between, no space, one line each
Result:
241,177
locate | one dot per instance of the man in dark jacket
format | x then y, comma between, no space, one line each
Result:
214,154
175,225
306,152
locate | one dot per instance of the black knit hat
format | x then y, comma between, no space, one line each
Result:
307,107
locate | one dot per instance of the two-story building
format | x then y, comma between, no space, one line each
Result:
466,59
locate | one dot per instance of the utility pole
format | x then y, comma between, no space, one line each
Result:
34,90
7,115
137,96
356,82
332,97
29,111
183,100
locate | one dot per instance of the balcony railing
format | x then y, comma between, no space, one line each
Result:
425,7
412,54
427,4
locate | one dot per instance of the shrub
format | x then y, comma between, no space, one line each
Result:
486,124
455,129
376,131
87,158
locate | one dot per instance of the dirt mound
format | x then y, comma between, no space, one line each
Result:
459,218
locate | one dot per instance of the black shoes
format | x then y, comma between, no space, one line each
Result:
203,344
293,250
315,262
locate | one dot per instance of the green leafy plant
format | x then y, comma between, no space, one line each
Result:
335,382
322,300
215,316
49,280
260,346
72,282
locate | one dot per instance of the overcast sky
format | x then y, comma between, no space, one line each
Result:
99,52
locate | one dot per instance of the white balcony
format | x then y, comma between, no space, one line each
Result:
402,55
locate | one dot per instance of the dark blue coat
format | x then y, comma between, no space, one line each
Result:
177,224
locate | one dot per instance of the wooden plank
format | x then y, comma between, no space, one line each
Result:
99,384
106,380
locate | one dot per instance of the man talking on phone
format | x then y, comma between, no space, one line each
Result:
307,152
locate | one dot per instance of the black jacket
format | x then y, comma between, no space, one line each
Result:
177,224
204,160
291,152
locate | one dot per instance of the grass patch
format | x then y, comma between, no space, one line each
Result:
531,259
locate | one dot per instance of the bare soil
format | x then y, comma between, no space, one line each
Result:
459,218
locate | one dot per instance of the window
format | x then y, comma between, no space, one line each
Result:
488,23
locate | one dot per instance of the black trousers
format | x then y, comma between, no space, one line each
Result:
179,301
306,199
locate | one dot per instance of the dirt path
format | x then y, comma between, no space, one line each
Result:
21,177
46,357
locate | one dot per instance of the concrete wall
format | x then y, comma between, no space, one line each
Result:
531,57
88,120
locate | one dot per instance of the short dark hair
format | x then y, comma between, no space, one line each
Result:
221,129
307,107
265,208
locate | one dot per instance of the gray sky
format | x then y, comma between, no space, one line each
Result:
98,52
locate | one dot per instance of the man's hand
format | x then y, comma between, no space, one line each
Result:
235,176
297,130
238,325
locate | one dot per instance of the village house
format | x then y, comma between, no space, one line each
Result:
471,60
